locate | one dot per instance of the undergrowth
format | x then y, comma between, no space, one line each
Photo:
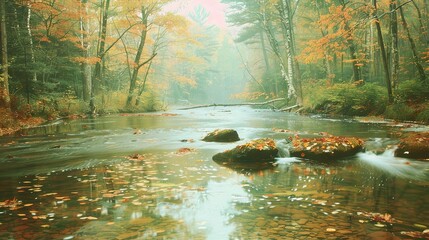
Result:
344,99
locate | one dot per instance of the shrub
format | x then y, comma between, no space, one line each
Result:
412,91
346,99
423,116
6,118
401,112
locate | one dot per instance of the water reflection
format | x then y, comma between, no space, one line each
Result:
209,211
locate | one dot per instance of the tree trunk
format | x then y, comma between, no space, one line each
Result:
394,49
142,88
267,61
383,53
416,58
287,73
4,77
96,83
137,58
292,44
86,66
30,43
373,67
275,47
424,35
264,51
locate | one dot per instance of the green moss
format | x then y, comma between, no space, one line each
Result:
222,135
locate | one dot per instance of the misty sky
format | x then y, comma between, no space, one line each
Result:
214,7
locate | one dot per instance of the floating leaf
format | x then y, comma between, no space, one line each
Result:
420,226
379,225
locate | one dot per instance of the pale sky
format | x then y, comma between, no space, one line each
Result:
214,7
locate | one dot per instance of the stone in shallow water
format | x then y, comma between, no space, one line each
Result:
415,145
326,148
222,135
256,151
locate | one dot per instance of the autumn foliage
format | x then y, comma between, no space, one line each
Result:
325,148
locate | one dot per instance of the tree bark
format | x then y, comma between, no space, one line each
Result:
4,77
96,83
424,35
416,58
383,53
137,65
274,43
292,44
86,66
143,87
30,42
394,49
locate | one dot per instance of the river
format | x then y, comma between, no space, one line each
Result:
149,176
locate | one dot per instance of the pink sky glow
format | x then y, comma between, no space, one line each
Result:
214,7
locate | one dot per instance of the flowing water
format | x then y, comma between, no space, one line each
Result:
149,176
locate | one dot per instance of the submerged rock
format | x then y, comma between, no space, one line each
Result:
326,148
222,135
415,145
259,150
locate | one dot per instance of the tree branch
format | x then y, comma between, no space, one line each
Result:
394,10
119,38
144,63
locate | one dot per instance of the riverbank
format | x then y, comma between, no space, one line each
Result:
351,100
21,124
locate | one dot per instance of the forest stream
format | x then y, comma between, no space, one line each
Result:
149,176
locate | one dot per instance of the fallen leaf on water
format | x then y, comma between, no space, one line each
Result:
379,225
184,150
319,202
416,234
135,156
420,226
109,195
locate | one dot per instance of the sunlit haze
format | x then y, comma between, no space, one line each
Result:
215,8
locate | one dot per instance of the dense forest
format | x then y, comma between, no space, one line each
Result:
363,57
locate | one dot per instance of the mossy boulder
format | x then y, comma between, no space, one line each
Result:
259,150
222,135
326,148
414,145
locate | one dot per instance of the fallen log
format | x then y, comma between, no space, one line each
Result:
288,109
234,104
